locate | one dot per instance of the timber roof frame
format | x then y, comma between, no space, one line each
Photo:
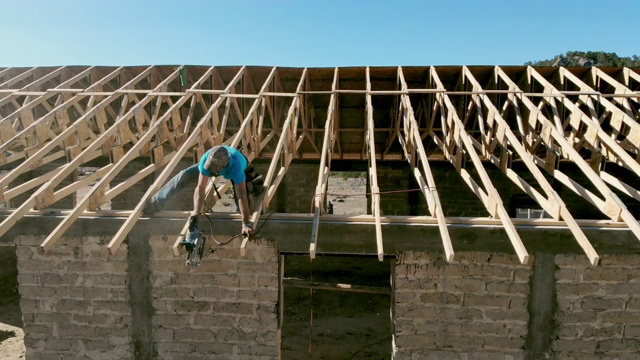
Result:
468,116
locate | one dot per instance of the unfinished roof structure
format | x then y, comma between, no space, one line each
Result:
525,121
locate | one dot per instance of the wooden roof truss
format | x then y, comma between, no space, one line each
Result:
468,116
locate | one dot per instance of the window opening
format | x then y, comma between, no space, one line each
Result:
347,193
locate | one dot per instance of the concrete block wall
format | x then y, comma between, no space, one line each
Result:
598,308
473,308
297,188
224,309
393,177
74,300
78,302
454,193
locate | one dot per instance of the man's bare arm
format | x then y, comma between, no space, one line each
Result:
198,194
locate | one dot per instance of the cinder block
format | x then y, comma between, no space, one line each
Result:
491,271
268,281
53,344
603,331
37,291
503,343
108,265
258,295
266,311
626,260
218,266
522,276
247,280
216,293
214,320
187,279
245,267
614,274
486,301
164,334
261,351
215,347
508,315
175,347
519,303
465,285
618,345
53,279
105,279
230,335
417,311
598,303
619,317
496,328
462,342
71,305
233,308
566,275
174,292
188,306
171,320
28,279
571,260
576,289
111,307
620,289
574,317
29,305
441,298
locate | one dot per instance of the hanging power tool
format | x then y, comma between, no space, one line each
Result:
193,242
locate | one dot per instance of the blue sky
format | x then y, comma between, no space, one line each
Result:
313,33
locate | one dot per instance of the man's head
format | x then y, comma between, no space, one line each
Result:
216,161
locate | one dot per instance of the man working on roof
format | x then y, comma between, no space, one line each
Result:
220,160
230,164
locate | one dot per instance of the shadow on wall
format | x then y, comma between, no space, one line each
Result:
9,297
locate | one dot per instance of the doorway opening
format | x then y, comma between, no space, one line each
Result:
336,307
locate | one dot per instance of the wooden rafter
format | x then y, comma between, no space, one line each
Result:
411,141
328,143
373,171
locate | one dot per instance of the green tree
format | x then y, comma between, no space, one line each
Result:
588,58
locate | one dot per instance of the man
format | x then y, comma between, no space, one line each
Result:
220,160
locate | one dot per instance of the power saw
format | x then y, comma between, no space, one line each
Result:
193,242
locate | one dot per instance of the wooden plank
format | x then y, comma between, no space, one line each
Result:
325,167
373,171
431,196
272,178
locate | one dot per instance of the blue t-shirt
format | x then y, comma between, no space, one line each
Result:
233,171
